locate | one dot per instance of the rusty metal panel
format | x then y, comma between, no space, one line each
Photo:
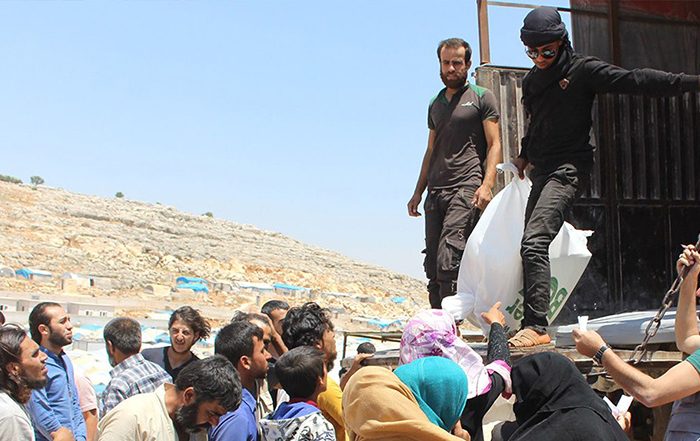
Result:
506,83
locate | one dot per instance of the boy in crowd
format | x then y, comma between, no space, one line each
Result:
186,327
302,373
310,325
242,343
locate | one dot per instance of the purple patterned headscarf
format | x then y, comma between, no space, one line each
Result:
433,332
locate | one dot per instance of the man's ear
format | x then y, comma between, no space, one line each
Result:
44,330
469,64
14,369
188,396
244,362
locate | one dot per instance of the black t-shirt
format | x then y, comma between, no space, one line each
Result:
159,356
459,149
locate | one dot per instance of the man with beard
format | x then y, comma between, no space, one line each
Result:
558,94
310,325
132,374
186,327
242,343
22,369
458,168
203,392
56,405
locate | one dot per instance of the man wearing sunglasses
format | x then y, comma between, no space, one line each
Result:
458,168
558,95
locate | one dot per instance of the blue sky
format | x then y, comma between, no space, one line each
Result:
307,118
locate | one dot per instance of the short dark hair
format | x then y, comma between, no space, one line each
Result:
11,338
193,319
37,317
298,371
125,334
236,340
305,325
249,317
213,379
366,348
456,43
273,305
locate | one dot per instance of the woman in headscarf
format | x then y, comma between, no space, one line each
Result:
554,402
433,333
421,401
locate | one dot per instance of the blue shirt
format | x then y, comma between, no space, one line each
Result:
239,425
57,405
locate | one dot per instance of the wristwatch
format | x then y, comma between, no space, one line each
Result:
598,356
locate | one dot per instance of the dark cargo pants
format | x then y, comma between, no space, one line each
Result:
450,218
553,193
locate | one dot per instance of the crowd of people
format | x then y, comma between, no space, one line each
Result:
441,389
268,379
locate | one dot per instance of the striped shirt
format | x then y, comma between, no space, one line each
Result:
133,376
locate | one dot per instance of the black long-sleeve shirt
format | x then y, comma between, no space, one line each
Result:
560,116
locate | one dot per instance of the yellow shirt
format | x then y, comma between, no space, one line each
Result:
331,404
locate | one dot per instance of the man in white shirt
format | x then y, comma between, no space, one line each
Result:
203,392
22,369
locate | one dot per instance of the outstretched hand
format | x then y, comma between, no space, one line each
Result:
587,342
494,315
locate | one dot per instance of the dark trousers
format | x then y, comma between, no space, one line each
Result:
449,220
553,192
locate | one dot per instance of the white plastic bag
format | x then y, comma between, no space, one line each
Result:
491,268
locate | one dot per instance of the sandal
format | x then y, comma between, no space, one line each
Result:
527,338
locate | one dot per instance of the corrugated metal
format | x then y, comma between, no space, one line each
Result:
642,196
506,84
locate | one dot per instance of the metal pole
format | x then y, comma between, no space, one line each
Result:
483,18
614,30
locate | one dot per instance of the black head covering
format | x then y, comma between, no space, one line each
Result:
541,26
554,402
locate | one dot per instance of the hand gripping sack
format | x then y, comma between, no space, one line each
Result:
491,268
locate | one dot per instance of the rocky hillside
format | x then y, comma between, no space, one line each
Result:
137,244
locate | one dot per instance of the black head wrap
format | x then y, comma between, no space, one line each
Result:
541,26
551,393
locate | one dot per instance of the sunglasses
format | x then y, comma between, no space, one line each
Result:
546,53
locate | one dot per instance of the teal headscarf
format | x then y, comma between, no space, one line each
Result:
440,387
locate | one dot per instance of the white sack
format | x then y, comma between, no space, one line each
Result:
491,268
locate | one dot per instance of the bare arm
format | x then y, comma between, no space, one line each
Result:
680,381
687,335
494,155
91,424
422,177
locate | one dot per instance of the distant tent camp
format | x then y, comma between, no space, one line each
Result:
33,274
183,280
284,288
196,287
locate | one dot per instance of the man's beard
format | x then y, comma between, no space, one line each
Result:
59,340
186,418
35,384
455,83
331,362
